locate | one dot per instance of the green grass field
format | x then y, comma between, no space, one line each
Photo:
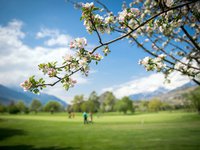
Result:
155,131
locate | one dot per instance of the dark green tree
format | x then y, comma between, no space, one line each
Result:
2,108
21,106
13,109
93,102
53,106
85,106
124,105
154,105
77,102
107,101
35,106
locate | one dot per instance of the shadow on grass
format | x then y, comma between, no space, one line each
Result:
7,132
29,147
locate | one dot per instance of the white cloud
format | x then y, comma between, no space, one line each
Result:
11,36
148,84
62,40
19,61
44,32
55,38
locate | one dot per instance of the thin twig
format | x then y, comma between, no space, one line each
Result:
95,29
190,38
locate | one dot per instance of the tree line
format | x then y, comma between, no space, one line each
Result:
106,102
35,106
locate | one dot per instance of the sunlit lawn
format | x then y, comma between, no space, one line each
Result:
165,130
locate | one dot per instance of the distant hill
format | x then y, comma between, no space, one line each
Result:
165,94
148,95
176,96
11,94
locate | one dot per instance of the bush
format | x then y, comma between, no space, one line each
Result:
26,110
2,108
13,109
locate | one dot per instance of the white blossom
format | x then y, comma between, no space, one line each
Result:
88,5
68,57
26,85
154,46
52,72
122,15
109,19
161,29
97,16
78,43
169,3
145,61
72,82
162,56
83,62
146,40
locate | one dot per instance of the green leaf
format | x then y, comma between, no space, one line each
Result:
66,86
95,8
40,80
35,91
59,69
81,18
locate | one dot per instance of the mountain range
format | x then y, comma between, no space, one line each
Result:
176,96
164,94
7,95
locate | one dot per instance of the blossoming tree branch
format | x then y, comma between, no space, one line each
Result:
168,30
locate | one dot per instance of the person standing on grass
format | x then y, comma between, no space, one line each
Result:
69,114
85,116
73,114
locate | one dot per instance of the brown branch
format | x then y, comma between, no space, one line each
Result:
52,84
103,5
171,56
95,29
196,81
170,43
190,38
148,51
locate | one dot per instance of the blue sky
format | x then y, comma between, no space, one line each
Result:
36,31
